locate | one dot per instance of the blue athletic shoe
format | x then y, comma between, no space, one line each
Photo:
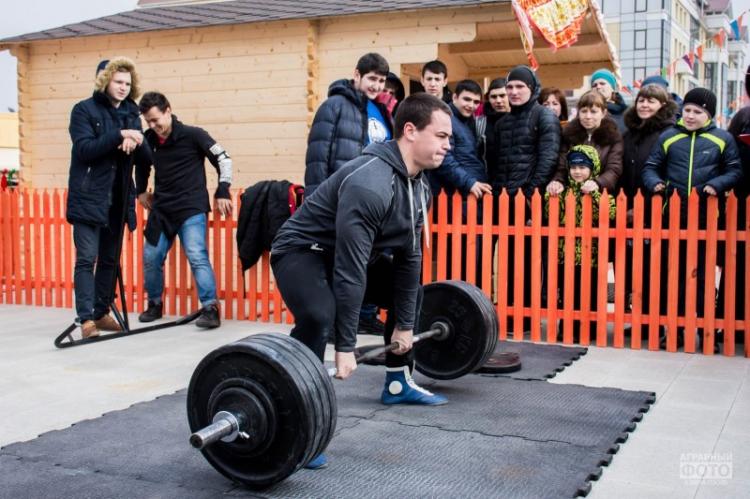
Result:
400,388
317,463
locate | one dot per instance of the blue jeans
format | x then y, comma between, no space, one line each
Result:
95,246
192,234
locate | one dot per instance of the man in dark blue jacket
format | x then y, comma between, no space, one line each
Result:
462,169
526,145
106,133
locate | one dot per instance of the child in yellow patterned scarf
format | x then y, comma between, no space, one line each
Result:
583,164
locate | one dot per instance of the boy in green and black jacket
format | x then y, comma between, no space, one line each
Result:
693,154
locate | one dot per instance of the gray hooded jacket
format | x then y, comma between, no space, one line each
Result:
369,205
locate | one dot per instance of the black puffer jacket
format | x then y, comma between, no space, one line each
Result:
639,140
338,133
98,170
526,152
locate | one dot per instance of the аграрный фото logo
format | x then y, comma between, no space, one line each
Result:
712,468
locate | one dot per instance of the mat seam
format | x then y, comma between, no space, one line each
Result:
91,471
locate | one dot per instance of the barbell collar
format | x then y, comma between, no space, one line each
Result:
225,427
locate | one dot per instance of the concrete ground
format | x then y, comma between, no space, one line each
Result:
701,419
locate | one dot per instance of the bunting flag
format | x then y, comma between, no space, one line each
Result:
699,52
735,25
664,73
720,38
688,60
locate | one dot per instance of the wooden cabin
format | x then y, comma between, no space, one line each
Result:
253,72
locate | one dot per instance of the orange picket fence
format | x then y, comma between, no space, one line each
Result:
37,258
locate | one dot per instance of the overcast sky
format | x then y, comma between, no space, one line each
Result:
25,16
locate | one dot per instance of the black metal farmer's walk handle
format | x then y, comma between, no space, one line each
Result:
121,316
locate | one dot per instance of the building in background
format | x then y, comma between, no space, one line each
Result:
651,34
725,66
9,157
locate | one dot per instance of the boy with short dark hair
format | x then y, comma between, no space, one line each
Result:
435,80
463,169
375,204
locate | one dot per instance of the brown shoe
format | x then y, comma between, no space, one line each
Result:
107,323
89,330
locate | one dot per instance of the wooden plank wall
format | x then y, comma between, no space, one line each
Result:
402,38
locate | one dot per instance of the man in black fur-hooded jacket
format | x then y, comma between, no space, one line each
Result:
359,237
106,134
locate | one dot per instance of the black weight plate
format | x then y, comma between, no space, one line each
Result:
501,362
302,379
490,316
291,379
321,389
473,330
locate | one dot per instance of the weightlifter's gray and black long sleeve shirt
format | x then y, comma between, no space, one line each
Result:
369,205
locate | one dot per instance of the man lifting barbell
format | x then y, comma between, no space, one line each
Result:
358,235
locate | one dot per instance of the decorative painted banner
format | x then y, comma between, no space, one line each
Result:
557,21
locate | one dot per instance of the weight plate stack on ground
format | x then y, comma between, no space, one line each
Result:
473,327
501,362
283,398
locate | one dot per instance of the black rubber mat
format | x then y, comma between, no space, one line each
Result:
538,361
498,437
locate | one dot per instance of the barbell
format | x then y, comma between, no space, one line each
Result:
264,406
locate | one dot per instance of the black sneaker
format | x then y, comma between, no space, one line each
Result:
209,317
153,312
371,325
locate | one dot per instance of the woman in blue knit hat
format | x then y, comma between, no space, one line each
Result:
604,81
